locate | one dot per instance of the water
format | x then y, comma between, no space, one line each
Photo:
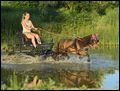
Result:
111,78
102,72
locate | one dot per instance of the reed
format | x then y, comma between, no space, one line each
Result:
72,25
49,84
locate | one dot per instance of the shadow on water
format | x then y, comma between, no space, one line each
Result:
102,72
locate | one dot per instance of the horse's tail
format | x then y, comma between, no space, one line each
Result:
57,51
58,47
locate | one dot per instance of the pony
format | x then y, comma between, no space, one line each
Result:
77,46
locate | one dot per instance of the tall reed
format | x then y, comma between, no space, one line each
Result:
71,26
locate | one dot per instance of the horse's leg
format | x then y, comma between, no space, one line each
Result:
80,56
66,55
61,56
87,54
88,57
55,56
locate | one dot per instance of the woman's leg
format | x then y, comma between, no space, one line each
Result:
30,36
37,37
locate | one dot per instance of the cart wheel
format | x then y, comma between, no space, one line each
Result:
49,52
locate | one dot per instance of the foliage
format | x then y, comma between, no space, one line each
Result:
44,85
77,6
74,18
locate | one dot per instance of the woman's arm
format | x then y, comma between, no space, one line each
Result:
35,29
33,25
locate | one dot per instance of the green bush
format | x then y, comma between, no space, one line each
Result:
62,20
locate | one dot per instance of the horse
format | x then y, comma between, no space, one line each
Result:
77,46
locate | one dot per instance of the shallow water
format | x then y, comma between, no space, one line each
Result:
102,71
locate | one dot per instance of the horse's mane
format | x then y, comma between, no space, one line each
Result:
85,40
87,36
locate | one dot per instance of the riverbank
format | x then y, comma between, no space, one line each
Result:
71,23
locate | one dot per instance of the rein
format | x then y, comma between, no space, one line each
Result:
40,29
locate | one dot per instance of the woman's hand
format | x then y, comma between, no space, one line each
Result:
36,28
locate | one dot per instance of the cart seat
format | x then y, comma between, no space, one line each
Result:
23,39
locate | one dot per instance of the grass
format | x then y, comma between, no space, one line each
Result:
49,84
68,25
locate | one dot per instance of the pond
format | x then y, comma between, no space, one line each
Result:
102,72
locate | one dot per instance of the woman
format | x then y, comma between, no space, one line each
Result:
27,26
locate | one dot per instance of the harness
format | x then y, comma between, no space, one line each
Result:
73,45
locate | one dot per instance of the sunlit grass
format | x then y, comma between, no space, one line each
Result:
71,26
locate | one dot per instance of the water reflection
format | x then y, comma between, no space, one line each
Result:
71,78
77,79
111,81
102,72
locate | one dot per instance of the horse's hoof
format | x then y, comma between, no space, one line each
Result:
80,57
68,57
56,59
88,60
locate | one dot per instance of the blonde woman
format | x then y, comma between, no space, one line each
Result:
27,27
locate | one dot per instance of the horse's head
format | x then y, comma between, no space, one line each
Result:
94,40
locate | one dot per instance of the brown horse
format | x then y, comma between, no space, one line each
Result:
78,45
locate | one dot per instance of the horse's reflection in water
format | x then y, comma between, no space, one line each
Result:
78,46
90,79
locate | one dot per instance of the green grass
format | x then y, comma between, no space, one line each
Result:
49,84
68,25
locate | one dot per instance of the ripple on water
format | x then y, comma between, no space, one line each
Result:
74,62
98,62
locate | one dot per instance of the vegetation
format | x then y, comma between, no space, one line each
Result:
60,19
74,18
43,85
